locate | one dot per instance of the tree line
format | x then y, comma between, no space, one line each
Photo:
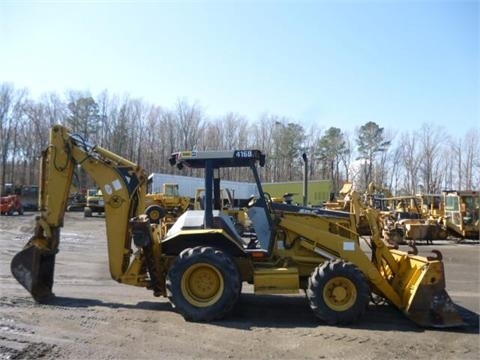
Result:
424,160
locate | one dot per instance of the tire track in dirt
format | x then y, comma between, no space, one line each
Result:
16,342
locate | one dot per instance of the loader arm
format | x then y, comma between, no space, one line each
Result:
414,284
123,184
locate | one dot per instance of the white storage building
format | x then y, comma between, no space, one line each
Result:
188,185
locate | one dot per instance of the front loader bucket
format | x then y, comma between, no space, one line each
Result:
421,283
432,308
33,267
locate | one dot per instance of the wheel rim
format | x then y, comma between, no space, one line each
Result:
154,215
202,285
340,294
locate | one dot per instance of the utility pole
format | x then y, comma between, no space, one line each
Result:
305,179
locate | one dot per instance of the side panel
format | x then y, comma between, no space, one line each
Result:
191,238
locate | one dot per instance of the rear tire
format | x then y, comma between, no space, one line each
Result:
203,284
338,292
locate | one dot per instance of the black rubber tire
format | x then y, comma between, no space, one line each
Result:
338,292
155,213
203,284
397,237
87,212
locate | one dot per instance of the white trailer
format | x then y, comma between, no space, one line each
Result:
188,185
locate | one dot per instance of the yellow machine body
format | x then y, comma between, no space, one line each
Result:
202,260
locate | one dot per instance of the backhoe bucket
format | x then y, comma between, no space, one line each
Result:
33,267
421,283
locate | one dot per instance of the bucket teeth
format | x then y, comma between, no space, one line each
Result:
420,281
435,310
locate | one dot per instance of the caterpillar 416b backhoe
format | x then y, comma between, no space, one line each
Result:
202,261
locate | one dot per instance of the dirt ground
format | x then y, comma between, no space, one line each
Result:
93,317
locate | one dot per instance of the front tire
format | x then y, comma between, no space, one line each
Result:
203,284
338,292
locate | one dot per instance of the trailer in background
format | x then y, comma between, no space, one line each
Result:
187,186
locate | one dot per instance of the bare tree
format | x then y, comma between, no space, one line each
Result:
312,137
190,123
346,156
11,112
385,165
431,139
409,153
35,139
154,147
395,173
148,134
56,110
170,135
263,136
471,159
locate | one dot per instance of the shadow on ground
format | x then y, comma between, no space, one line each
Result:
257,311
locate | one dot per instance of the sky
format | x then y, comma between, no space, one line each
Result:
339,63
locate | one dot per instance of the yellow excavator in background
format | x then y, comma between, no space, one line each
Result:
201,262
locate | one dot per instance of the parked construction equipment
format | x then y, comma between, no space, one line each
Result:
201,262
405,219
461,213
27,195
10,205
94,203
167,205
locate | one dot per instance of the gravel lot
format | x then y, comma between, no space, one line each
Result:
93,317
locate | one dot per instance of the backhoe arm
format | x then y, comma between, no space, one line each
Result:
123,184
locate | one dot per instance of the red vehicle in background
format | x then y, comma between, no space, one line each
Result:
11,204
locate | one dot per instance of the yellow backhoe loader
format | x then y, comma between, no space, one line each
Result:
201,262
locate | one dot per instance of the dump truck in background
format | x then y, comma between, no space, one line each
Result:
201,262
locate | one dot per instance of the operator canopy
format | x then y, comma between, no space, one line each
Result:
229,158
